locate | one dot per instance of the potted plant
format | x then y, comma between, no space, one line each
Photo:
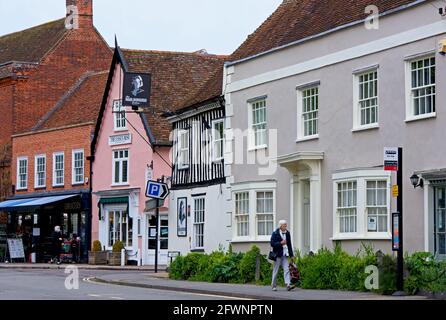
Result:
114,257
97,256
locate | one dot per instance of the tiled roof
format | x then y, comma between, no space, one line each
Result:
176,76
79,105
32,44
298,19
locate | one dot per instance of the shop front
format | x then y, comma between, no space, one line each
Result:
33,220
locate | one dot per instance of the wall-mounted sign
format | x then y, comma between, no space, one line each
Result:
120,139
391,159
136,90
372,224
181,217
396,232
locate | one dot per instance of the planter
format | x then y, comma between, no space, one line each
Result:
97,257
114,258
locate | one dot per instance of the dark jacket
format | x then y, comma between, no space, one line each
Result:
57,242
276,240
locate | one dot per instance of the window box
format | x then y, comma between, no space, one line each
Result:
97,257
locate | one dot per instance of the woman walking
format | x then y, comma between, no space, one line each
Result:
283,251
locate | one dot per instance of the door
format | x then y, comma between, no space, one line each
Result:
163,243
306,221
440,222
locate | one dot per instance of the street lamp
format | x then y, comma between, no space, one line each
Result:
416,181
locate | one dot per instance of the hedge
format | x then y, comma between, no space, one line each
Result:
327,269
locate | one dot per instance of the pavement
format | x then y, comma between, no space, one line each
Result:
143,283
48,266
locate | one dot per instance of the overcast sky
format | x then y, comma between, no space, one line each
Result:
219,26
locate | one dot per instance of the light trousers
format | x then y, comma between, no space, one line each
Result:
283,261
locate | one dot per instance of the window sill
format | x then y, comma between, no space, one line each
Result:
258,148
120,129
421,117
366,127
361,237
197,250
183,168
22,189
309,138
58,185
39,188
121,185
78,184
249,240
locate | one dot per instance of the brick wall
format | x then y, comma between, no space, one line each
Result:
47,143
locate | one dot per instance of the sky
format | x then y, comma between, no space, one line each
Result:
219,26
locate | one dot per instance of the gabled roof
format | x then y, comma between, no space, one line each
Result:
80,105
31,45
176,77
295,20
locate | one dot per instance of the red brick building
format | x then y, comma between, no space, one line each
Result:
52,80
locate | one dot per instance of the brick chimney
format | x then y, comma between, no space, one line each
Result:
84,11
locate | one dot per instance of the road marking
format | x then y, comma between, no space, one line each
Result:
89,280
94,295
117,298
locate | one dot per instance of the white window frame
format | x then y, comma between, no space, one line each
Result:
18,186
216,140
55,184
252,145
182,164
121,209
244,215
197,223
120,161
119,115
357,121
272,213
361,177
410,114
252,189
300,113
36,172
73,168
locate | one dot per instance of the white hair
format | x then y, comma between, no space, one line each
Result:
282,222
57,228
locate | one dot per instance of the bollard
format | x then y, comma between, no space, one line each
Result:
258,268
122,257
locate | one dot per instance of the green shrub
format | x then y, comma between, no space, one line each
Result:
118,246
424,273
387,275
97,246
176,269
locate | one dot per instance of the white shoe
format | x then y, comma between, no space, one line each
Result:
274,289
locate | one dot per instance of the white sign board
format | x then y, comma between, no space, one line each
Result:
391,156
120,139
15,247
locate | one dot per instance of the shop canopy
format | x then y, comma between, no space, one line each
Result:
31,203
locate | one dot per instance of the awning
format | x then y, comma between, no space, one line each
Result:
30,203
116,200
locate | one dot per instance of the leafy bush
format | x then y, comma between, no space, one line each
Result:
118,246
425,273
97,246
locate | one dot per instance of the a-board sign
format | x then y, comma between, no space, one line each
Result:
15,249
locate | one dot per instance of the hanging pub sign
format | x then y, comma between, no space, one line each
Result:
136,90
391,159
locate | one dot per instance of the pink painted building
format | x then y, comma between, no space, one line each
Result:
130,148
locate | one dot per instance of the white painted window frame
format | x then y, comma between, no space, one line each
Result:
257,214
119,114
18,186
122,209
120,161
182,164
357,126
300,121
252,189
73,171
409,90
216,139
252,146
36,172
361,177
55,184
196,223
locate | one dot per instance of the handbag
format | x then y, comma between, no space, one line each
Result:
272,256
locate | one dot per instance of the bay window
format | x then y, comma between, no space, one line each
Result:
120,227
242,214
361,205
